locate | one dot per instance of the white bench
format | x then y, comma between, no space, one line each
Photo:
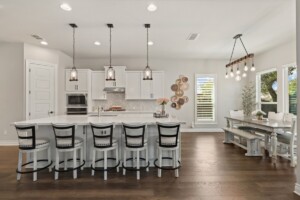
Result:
253,141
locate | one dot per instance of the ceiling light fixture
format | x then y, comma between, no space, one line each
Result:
44,43
65,7
110,76
147,71
152,7
74,73
150,43
97,43
240,60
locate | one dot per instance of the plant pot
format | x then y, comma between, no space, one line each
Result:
259,117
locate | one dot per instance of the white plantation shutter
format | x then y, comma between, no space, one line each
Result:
205,98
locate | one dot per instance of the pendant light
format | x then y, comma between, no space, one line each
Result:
74,73
147,71
110,76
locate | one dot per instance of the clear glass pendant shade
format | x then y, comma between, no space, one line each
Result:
147,70
147,74
74,74
110,74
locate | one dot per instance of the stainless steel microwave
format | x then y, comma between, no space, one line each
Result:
77,100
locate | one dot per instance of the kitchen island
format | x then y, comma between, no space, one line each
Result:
84,131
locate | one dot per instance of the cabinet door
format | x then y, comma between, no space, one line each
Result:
70,85
120,77
133,85
158,85
146,89
98,79
82,84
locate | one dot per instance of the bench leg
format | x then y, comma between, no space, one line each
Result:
253,148
228,138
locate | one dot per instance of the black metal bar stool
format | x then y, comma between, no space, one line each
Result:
168,140
135,141
104,142
67,142
28,143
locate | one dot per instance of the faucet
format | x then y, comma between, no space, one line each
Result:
99,109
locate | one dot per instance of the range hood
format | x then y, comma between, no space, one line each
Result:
114,89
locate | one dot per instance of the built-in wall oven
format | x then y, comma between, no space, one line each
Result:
77,104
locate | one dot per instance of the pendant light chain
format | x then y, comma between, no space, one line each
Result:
73,46
147,46
110,46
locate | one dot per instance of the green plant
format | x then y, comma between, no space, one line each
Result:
248,98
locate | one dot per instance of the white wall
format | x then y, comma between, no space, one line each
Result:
12,77
11,88
276,58
228,91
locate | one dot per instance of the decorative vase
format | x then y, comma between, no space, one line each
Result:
163,110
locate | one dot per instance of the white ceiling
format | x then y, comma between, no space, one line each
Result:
264,23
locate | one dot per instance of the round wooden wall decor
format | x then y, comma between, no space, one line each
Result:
181,85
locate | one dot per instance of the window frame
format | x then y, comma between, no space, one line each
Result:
285,88
258,88
214,76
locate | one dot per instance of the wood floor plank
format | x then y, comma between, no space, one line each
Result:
211,170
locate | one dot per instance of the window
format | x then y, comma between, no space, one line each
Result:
290,89
205,99
266,90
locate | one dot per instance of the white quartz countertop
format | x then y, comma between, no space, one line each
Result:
113,118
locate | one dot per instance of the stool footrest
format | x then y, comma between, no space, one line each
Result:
102,168
167,168
70,169
32,171
134,168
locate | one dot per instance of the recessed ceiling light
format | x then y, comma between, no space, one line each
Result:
150,43
65,7
152,7
44,43
97,43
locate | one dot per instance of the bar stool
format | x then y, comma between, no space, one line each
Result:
168,140
135,142
67,142
104,142
28,143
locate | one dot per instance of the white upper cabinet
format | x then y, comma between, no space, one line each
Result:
82,84
98,80
158,85
133,85
120,77
137,88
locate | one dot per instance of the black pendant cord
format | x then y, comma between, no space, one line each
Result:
73,47
110,47
147,47
232,51
244,46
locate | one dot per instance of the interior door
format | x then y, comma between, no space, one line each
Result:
41,87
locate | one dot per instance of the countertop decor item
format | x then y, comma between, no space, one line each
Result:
236,63
181,85
259,114
147,71
163,102
74,73
248,99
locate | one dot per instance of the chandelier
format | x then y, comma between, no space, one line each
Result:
242,62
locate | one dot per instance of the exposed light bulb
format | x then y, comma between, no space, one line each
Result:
226,76
246,67
231,73
238,78
252,68
244,75
238,71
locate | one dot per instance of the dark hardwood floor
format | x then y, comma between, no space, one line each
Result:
211,170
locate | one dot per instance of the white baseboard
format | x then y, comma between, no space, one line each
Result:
9,143
297,189
201,130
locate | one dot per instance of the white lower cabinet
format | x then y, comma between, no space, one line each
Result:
98,81
137,88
